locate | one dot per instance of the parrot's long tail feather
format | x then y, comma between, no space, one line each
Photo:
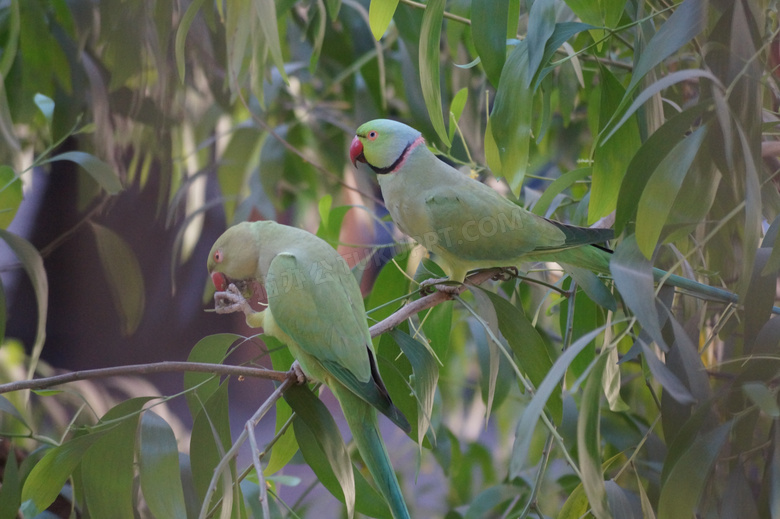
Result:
362,421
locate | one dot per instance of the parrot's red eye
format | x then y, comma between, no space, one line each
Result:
218,256
372,135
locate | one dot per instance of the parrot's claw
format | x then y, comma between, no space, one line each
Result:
297,373
506,274
429,286
231,300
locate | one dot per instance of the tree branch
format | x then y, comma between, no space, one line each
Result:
144,369
443,293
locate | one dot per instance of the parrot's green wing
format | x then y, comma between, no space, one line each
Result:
317,302
478,224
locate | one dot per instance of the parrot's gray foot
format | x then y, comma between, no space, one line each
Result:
506,274
297,373
429,286
231,300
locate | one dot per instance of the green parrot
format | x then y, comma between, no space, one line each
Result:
316,308
470,226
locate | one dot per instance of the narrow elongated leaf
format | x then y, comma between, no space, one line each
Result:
633,277
158,457
48,476
426,375
286,446
490,321
662,187
683,487
646,160
380,13
589,441
266,14
181,35
611,159
774,473
312,415
488,29
668,380
10,492
430,36
211,439
543,206
213,349
530,417
541,25
10,195
107,472
510,119
33,264
532,354
103,174
8,408
124,276
456,110
685,23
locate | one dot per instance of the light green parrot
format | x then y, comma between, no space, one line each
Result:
467,224
316,308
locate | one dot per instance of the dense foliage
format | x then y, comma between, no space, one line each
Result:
531,397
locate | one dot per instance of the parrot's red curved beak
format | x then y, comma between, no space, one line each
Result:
220,281
356,151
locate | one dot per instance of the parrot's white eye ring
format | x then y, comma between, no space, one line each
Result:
372,135
218,256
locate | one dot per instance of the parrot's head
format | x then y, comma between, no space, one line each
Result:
234,256
383,145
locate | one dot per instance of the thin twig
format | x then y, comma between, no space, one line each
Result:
290,378
143,369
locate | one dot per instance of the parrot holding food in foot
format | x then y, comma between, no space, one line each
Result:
470,226
316,308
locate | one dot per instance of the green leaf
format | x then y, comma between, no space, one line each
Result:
683,487
124,276
107,472
610,159
529,348
10,195
589,440
46,105
380,13
8,408
488,30
10,491
266,15
200,386
456,110
646,160
237,163
101,172
658,197
763,397
685,23
535,408
313,416
210,440
430,42
426,375
158,457
490,365
633,277
286,446
49,475
181,35
510,119
541,25
33,264
542,206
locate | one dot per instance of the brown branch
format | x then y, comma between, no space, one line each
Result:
443,293
144,369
